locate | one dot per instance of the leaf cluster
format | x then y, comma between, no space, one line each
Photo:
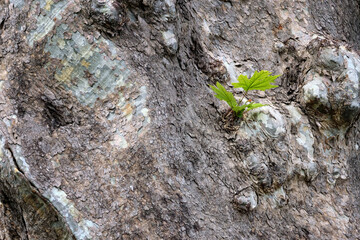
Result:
259,81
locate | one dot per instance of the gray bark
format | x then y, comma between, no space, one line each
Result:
109,129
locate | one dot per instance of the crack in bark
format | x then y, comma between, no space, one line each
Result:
35,191
7,147
25,225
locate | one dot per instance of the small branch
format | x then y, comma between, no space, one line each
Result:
243,97
228,112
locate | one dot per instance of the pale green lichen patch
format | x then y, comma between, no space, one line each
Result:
234,71
119,140
295,115
266,120
3,75
170,41
17,151
87,70
18,3
330,59
230,67
46,21
331,90
94,71
306,139
140,104
134,108
78,225
2,144
304,136
350,85
10,122
206,28
316,91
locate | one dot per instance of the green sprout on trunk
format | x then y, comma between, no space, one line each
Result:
259,81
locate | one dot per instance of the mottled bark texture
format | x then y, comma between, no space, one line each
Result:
109,129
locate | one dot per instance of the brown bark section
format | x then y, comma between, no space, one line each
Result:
186,174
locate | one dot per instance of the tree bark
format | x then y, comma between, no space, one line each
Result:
109,129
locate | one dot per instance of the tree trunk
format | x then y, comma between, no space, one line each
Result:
110,130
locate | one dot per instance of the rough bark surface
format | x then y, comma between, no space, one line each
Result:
109,129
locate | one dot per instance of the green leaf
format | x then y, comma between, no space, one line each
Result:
239,110
222,94
254,105
259,81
